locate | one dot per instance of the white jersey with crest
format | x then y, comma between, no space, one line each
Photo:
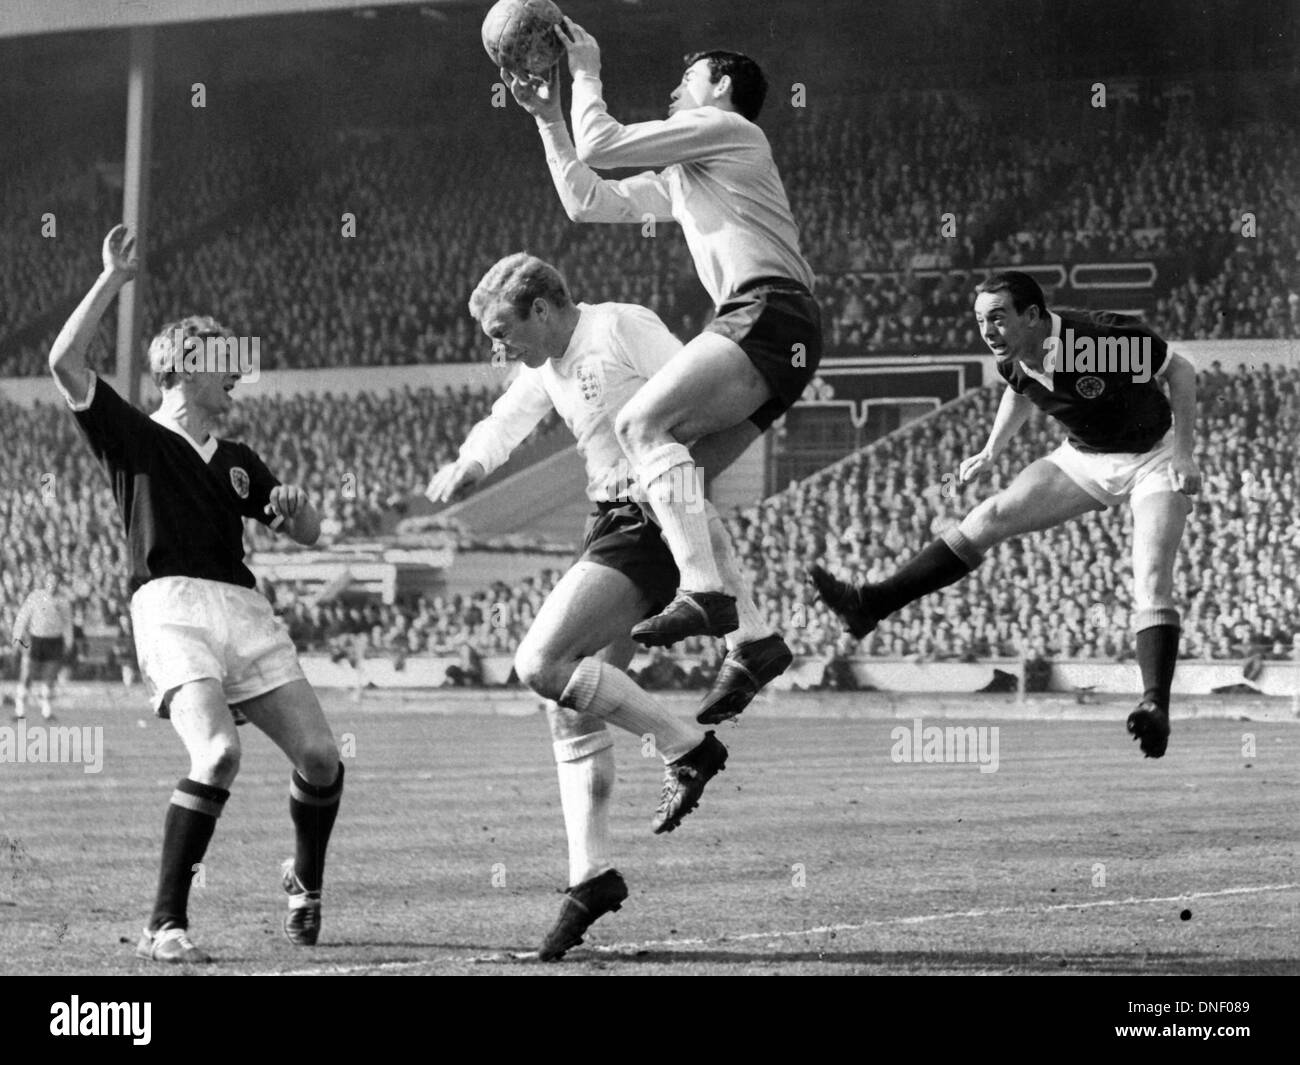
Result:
44,615
614,350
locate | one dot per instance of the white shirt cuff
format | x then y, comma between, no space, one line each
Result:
90,392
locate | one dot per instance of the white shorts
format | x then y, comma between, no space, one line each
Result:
189,629
1111,478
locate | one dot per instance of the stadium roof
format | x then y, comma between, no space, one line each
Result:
21,18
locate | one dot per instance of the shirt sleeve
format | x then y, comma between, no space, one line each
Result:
514,415
1159,357
685,137
260,482
23,620
587,197
1009,376
113,428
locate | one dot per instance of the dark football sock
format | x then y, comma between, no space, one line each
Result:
187,831
313,809
1157,636
937,565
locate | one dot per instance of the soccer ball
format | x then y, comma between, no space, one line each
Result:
519,35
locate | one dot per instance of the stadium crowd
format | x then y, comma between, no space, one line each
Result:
367,256
363,250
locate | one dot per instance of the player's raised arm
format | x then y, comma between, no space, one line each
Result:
1013,412
1180,376
68,355
602,141
585,195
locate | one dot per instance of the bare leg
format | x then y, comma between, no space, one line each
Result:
591,607
708,387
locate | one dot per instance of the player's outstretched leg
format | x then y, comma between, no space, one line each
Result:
584,762
756,654
1041,496
863,606
592,606
691,760
291,716
200,716
1158,521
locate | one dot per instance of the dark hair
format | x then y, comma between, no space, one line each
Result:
1025,292
748,83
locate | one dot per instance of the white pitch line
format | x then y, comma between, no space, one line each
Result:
1000,911
818,930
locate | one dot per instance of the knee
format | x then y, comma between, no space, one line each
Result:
319,761
540,671
636,427
984,525
216,762
627,426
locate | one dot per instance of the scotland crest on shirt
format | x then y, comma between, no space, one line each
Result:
239,481
1090,387
591,383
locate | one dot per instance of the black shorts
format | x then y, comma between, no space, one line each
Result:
778,324
46,649
620,536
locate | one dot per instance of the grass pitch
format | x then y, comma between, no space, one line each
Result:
815,852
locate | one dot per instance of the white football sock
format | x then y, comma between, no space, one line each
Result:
675,488
609,693
20,702
47,707
585,766
752,626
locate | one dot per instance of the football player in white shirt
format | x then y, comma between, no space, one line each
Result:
586,362
755,358
43,629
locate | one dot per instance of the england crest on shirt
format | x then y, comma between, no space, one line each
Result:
1090,387
591,383
239,481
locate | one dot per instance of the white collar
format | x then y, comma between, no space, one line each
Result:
1046,376
205,450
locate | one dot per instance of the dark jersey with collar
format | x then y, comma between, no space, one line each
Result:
1104,384
183,515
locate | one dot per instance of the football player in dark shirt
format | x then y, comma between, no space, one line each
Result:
1099,377
209,646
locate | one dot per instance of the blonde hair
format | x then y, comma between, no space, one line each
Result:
167,349
518,280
